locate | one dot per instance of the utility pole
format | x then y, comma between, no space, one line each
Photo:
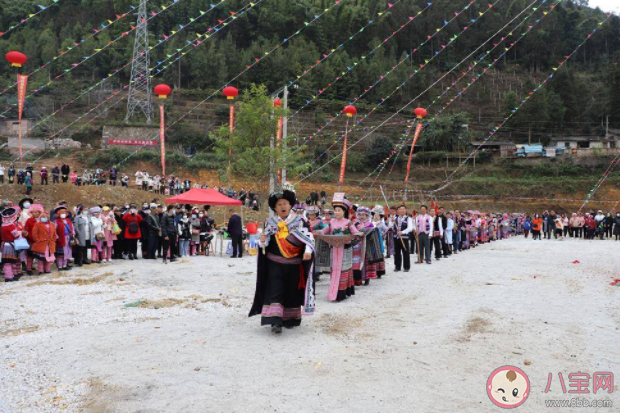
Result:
139,99
284,128
607,128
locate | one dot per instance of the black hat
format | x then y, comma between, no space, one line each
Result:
21,203
286,194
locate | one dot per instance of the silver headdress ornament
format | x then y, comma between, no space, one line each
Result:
281,187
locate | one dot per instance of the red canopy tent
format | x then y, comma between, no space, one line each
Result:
198,196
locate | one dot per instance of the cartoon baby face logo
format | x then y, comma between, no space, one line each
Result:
508,387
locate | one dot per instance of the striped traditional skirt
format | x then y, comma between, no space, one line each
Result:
9,255
64,252
357,256
380,268
346,285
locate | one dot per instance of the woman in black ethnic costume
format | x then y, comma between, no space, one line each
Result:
284,284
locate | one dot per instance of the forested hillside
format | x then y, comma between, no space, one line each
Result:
577,101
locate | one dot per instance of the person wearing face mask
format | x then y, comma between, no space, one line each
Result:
144,229
154,229
11,262
24,205
98,235
120,245
44,246
83,232
35,211
206,227
109,221
195,225
65,238
169,234
284,277
133,231
185,234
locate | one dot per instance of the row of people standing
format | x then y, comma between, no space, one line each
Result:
589,225
99,234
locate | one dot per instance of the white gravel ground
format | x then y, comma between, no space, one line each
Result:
424,341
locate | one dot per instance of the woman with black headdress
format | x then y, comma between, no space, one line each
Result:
284,284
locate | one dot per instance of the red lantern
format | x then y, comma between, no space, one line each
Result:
16,59
252,228
230,92
277,103
350,110
162,91
420,113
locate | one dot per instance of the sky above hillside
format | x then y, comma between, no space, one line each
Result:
606,5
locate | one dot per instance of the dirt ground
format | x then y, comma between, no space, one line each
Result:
138,337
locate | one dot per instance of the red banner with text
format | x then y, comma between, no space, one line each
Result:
131,142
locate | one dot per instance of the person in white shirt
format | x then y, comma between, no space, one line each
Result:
97,236
403,226
449,230
1,174
139,178
425,226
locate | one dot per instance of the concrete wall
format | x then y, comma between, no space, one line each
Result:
10,127
28,144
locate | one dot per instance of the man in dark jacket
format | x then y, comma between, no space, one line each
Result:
65,170
235,230
121,249
444,224
55,174
169,234
144,230
154,230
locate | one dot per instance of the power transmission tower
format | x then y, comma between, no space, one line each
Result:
139,99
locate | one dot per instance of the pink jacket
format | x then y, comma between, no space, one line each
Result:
109,222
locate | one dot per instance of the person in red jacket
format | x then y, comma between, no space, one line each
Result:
10,257
132,231
35,212
590,225
66,233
